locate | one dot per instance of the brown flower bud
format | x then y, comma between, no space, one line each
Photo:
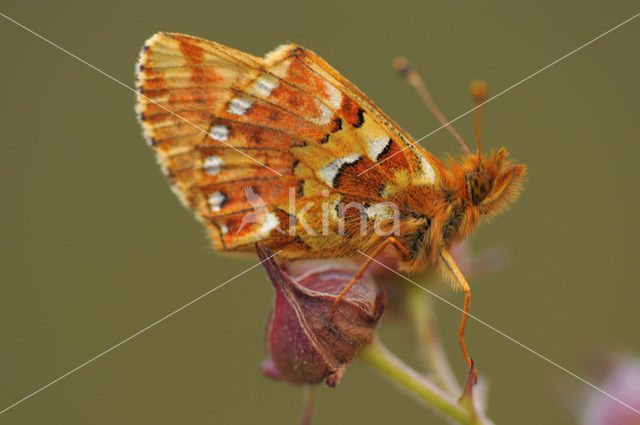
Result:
304,343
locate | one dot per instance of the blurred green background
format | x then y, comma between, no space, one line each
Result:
95,247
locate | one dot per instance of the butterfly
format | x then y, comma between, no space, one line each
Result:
285,152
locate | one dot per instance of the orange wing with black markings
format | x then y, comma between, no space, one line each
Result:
271,149
239,137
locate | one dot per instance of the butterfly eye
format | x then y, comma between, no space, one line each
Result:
478,186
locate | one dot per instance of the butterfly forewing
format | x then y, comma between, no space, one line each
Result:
247,142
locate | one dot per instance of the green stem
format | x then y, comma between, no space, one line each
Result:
380,358
421,314
308,400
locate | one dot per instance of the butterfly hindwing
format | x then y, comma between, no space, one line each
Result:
248,142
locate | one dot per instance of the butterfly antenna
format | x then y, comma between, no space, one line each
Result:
478,90
407,71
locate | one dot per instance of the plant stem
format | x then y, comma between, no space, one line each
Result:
308,401
420,311
380,358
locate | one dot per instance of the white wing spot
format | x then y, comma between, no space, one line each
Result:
328,172
220,133
213,164
239,106
224,229
376,146
335,97
270,222
379,211
216,199
264,86
429,174
325,114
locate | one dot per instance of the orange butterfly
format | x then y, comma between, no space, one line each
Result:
284,151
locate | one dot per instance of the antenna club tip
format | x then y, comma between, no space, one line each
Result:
479,90
401,64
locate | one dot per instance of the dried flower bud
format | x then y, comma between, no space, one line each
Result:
304,344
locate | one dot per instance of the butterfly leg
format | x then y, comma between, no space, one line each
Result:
453,272
388,241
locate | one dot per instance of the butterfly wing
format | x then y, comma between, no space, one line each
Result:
265,150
